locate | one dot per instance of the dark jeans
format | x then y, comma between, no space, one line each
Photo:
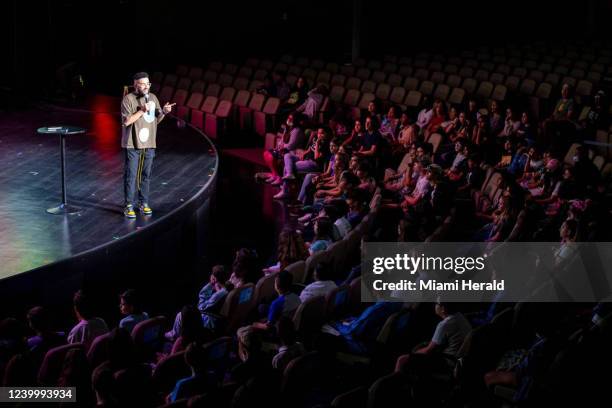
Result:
137,174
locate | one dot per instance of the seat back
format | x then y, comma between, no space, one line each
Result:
397,95
426,88
337,303
242,98
257,101
383,91
310,315
245,72
389,389
166,94
456,97
218,356
98,351
210,76
227,94
297,270
271,106
355,398
442,92
224,109
198,86
484,90
311,263
264,290
149,334
237,306
169,370
209,104
184,83
195,100
499,92
52,364
366,98
352,97
300,375
213,90
413,99
336,93
180,97
225,80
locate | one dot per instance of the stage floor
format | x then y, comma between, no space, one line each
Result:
30,181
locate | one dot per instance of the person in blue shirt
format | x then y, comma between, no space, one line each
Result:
200,380
212,296
285,304
131,307
517,165
371,139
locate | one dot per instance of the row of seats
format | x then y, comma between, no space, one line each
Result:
481,83
147,336
448,83
392,73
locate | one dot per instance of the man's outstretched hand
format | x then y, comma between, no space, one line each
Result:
168,107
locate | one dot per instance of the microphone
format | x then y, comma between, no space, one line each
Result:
146,96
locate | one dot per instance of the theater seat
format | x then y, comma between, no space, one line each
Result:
98,351
169,370
51,367
309,316
245,118
264,290
297,270
237,307
215,124
265,120
355,398
148,335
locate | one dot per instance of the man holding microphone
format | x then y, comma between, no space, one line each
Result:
140,114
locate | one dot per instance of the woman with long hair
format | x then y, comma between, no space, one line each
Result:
291,248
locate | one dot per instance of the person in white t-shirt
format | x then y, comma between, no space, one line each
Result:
322,284
88,327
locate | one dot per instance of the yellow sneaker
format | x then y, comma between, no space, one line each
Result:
129,211
145,209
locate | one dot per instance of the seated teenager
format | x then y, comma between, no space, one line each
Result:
131,307
89,326
371,139
323,230
212,297
285,304
322,285
291,248
199,381
290,348
473,179
445,343
313,178
290,139
45,338
312,159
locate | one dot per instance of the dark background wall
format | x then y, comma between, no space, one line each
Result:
108,39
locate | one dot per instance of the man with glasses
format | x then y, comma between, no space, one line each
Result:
140,113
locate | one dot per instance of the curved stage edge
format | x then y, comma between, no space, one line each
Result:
171,246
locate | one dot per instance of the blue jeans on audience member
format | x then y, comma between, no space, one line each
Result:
306,186
293,164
